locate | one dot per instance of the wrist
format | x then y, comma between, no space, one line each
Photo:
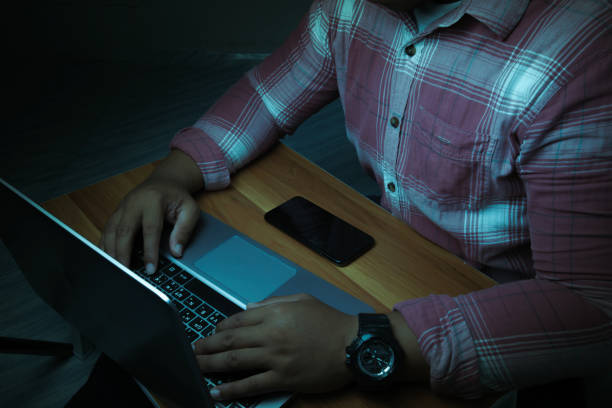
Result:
414,367
350,332
179,170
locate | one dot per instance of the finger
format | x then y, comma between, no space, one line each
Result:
109,234
241,319
152,225
244,337
261,383
124,236
278,299
186,220
246,359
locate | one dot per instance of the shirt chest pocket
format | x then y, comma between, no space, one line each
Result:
451,163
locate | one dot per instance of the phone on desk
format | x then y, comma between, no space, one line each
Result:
320,230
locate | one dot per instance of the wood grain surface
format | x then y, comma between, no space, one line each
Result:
402,264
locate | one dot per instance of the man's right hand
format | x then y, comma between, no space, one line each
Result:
166,195
146,207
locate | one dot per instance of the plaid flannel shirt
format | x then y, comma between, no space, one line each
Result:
489,132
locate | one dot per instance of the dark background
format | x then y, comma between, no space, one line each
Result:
87,80
137,30
96,87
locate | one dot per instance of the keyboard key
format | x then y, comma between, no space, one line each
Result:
192,302
198,324
211,297
159,278
187,315
162,262
244,403
182,277
171,270
181,293
141,272
215,317
219,378
204,310
170,286
191,335
208,331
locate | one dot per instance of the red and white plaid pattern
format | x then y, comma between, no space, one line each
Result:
497,137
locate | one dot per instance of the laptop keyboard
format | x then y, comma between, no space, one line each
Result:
199,307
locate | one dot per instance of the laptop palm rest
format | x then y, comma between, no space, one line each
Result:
250,272
243,268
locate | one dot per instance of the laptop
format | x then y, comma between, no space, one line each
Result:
146,324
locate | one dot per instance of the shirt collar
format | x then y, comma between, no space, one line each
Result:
500,16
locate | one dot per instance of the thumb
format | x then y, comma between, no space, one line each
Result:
186,220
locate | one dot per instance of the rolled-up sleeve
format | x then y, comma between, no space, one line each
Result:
271,100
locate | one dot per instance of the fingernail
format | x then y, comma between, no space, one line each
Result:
215,393
178,249
150,269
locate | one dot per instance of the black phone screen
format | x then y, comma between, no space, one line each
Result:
320,230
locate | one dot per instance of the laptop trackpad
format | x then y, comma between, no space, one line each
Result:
244,269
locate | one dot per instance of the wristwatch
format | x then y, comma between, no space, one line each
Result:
374,355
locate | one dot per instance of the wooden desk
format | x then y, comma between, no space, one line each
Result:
402,264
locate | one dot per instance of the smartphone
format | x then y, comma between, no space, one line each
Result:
320,230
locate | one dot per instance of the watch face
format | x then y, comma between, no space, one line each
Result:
376,358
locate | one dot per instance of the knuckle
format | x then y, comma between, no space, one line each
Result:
278,335
151,229
111,225
124,230
228,340
281,310
231,359
236,320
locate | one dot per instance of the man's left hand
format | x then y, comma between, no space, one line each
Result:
290,343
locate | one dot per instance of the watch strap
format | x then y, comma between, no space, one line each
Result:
373,323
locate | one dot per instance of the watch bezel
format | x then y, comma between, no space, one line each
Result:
362,378
366,341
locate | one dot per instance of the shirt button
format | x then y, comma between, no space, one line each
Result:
410,50
391,187
394,122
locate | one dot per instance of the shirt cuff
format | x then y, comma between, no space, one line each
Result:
446,344
207,155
